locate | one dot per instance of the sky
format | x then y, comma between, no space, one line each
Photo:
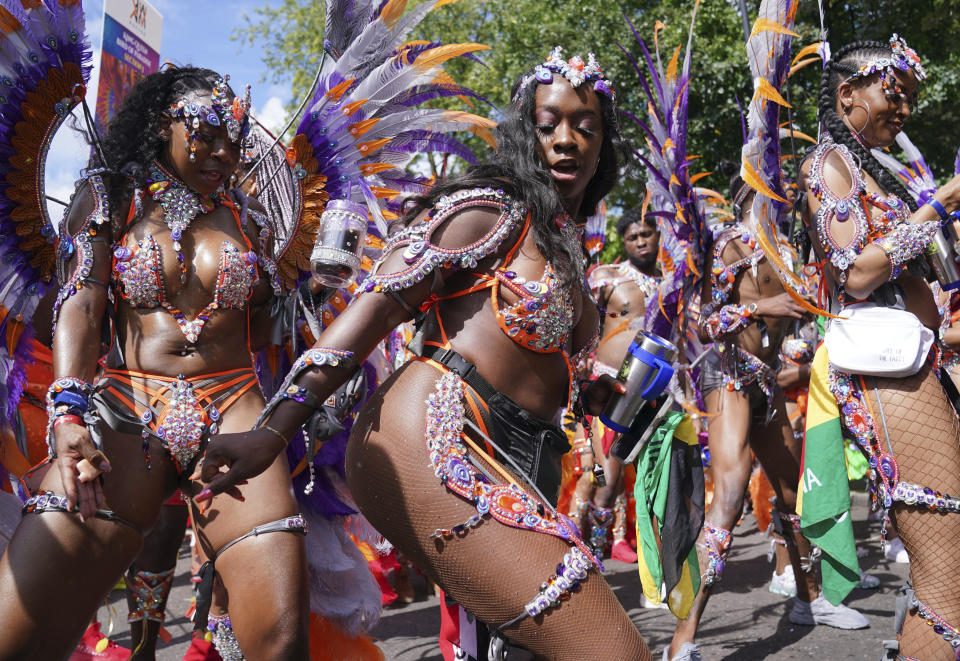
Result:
194,32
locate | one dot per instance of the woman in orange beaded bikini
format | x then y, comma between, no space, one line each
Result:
181,262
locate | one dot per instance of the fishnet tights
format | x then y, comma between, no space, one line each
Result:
492,570
924,433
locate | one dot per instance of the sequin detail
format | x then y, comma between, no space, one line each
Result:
224,640
717,542
422,256
622,273
853,206
542,317
506,503
139,274
81,244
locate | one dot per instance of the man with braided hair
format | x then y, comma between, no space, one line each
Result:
746,314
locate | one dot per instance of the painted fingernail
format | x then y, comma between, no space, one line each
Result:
106,467
206,494
622,389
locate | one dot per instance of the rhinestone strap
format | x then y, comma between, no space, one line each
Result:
940,626
82,243
422,256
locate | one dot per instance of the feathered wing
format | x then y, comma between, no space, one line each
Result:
595,230
363,125
44,67
768,54
915,175
680,208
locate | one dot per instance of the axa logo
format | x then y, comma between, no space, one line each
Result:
139,13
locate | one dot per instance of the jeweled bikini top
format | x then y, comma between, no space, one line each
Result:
137,275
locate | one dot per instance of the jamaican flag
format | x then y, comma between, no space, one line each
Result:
823,497
669,486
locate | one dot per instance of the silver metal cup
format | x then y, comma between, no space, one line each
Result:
646,371
942,255
338,249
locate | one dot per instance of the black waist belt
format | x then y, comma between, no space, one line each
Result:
536,446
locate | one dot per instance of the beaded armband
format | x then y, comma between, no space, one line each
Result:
423,257
728,320
311,358
266,261
834,207
69,396
81,243
907,241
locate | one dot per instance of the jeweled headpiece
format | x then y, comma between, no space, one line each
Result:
902,59
232,113
574,70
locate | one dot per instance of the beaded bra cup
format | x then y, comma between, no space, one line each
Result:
137,275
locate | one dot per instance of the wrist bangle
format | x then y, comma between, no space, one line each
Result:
276,433
939,208
75,419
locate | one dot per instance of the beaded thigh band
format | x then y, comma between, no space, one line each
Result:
717,541
940,626
48,501
295,524
508,503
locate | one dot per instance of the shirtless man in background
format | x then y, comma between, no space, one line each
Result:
623,290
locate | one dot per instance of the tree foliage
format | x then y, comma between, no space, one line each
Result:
522,32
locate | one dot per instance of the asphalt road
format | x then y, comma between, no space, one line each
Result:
744,621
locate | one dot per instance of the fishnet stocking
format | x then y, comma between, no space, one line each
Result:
492,570
924,433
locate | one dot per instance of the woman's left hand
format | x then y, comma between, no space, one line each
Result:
598,393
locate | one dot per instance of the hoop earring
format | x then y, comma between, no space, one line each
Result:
859,133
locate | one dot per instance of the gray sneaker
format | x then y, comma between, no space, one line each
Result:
688,652
821,611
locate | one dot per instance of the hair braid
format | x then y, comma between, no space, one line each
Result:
843,64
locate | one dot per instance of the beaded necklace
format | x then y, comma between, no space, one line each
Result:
180,204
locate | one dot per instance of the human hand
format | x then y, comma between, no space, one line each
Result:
80,464
949,194
596,395
781,305
245,455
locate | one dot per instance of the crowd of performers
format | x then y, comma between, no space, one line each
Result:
170,361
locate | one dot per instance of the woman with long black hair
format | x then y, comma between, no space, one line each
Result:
490,265
870,234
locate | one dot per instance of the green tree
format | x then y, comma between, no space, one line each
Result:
522,32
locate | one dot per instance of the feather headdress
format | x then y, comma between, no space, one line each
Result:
673,199
768,54
364,122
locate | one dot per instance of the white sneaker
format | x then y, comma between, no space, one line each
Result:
868,581
895,551
821,611
688,652
784,584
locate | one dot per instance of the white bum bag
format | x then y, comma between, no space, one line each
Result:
881,341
